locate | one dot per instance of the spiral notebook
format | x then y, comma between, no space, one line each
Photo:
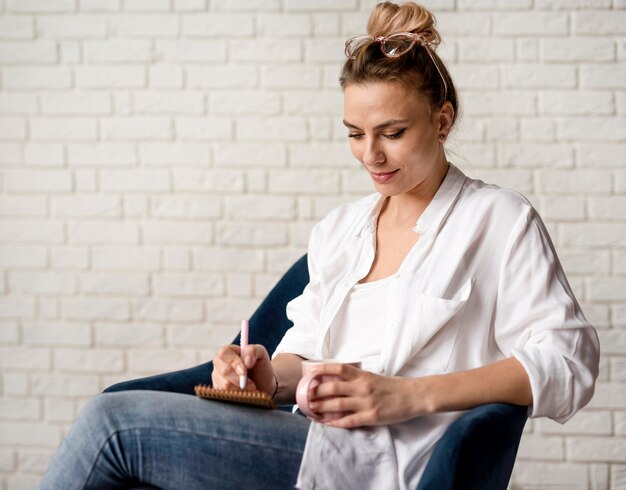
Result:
255,398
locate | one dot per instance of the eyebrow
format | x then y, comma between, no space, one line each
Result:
390,122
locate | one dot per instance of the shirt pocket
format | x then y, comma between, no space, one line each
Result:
434,324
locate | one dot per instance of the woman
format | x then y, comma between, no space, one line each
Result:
447,290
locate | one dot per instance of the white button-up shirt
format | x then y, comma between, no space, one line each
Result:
482,283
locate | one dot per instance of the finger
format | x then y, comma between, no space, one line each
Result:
336,404
334,388
350,421
345,371
253,354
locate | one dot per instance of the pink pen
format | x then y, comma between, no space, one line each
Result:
243,379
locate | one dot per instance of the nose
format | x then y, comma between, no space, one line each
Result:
373,154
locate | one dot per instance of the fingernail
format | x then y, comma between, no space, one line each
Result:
239,370
247,360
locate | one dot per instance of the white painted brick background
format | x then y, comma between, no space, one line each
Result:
162,163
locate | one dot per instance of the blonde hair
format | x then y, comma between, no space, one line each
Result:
416,70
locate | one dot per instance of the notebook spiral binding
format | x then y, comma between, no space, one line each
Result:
256,398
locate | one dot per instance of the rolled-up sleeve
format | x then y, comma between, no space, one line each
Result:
304,310
539,322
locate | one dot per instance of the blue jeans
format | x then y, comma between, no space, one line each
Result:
169,440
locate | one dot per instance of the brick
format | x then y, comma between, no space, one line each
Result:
35,460
188,285
281,50
71,26
601,155
607,289
144,25
102,232
88,361
244,102
256,181
125,335
577,49
19,206
25,78
82,206
584,422
485,50
599,23
503,103
42,283
618,369
239,285
283,25
44,154
158,360
179,310
204,128
262,207
38,6
564,181
535,155
76,103
541,475
541,447
69,385
228,259
562,208
611,208
290,76
182,207
117,50
10,153
572,4
24,359
250,154
603,76
494,4
69,258
531,75
115,283
16,27
313,103
17,103
602,449
101,154
241,234
38,180
31,231
191,51
591,128
187,335
137,128
23,257
168,103
612,341
230,310
146,5
282,128
27,52
217,76
176,232
56,129
29,433
213,180
12,128
327,24
593,234
310,181
7,460
321,155
620,181
619,262
125,258
165,76
38,333
9,332
247,5
609,395
189,5
528,23
584,261
95,309
215,25
96,76
57,410
174,154
177,259
576,103
304,5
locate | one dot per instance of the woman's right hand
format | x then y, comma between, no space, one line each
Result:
228,366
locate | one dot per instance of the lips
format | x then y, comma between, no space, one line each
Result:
382,177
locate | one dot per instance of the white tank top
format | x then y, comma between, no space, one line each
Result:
356,333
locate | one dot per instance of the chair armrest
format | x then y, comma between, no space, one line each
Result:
477,451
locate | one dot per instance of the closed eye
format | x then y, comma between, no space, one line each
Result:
395,135
356,136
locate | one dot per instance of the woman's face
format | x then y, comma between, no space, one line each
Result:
394,136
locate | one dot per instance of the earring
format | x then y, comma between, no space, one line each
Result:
442,137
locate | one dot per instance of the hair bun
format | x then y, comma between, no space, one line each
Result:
388,18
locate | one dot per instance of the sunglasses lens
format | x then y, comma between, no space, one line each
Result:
355,44
397,45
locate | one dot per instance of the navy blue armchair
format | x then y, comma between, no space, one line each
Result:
476,452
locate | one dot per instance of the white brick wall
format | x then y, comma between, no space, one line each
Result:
162,163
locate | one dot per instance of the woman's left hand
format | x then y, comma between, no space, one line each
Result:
367,398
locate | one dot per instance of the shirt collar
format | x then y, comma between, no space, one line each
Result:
433,215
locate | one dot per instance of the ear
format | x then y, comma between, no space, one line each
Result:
444,120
